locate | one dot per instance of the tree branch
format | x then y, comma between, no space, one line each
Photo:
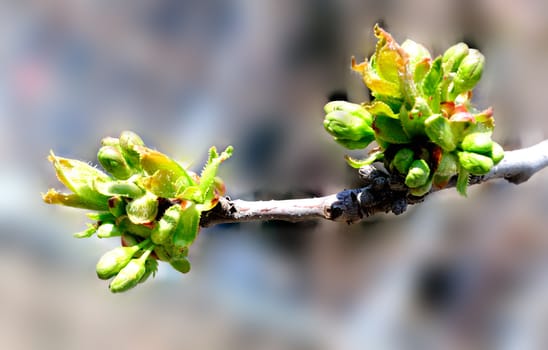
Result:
381,193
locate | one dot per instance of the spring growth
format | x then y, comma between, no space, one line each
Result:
116,259
144,198
422,106
131,274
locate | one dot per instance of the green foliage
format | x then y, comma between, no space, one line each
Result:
421,116
146,198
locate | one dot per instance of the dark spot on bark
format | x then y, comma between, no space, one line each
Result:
335,212
399,206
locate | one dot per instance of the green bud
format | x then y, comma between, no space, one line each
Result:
108,230
164,229
469,72
114,260
402,160
128,141
131,274
180,264
143,210
475,163
453,57
349,124
113,162
497,153
478,142
418,174
438,129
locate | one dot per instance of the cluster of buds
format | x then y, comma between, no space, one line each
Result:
145,198
421,116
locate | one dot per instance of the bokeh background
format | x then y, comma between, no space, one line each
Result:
448,274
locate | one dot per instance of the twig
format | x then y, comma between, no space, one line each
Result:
381,193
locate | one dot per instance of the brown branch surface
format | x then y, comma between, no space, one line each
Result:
380,193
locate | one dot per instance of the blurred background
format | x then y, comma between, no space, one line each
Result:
451,273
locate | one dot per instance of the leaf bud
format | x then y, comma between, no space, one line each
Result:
131,274
418,174
475,163
478,142
349,124
143,210
453,57
469,72
114,260
113,162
